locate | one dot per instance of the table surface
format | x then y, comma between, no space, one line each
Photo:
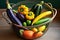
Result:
53,33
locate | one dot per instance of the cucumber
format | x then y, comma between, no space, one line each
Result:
41,21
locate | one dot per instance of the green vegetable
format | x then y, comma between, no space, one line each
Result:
24,24
41,21
21,31
37,8
28,22
42,15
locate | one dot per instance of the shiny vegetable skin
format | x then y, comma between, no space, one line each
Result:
41,16
34,30
41,21
38,34
21,31
23,9
11,15
28,22
37,8
28,34
42,28
20,17
24,24
30,15
8,14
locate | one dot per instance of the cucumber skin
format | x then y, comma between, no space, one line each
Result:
42,21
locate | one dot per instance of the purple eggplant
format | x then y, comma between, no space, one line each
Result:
11,15
20,17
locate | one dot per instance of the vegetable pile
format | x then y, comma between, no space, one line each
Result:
26,16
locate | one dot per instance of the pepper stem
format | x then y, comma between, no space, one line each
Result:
30,14
21,9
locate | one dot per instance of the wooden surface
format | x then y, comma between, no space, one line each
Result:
6,33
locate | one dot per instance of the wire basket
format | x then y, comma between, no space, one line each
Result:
16,27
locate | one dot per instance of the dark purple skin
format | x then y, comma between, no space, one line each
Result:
20,17
12,17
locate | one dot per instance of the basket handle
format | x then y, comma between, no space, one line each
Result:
6,18
9,22
50,5
54,13
53,10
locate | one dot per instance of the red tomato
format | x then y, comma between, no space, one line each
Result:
28,34
38,34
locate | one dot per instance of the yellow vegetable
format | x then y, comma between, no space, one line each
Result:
23,9
41,16
34,29
42,28
30,15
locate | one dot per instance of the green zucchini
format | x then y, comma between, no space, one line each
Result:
42,21
37,8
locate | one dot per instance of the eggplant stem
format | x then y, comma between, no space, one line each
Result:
8,4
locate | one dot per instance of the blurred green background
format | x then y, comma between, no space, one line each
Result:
55,3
